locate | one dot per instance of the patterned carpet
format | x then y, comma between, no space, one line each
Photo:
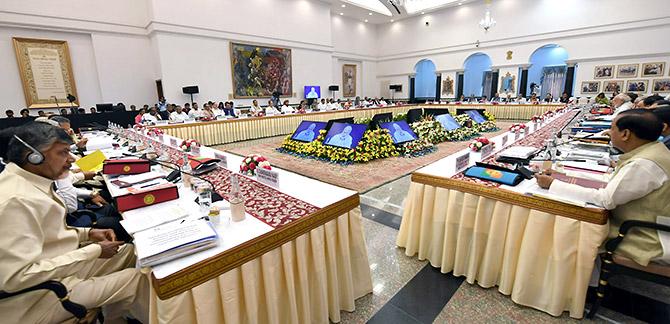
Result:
359,177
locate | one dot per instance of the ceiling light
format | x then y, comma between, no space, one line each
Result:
371,6
341,13
487,22
460,3
366,20
423,13
392,20
344,6
369,14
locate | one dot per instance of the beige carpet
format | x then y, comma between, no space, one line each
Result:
360,177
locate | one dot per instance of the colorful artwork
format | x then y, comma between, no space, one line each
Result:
604,72
590,87
639,86
627,71
661,85
349,80
653,69
259,71
448,86
612,86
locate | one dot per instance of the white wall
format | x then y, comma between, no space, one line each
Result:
590,30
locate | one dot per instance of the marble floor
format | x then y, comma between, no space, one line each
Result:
407,290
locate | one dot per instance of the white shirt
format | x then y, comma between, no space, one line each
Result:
195,113
69,193
626,106
322,106
178,117
333,106
287,109
269,110
635,180
149,118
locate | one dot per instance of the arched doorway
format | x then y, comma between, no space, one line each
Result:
477,76
425,80
547,71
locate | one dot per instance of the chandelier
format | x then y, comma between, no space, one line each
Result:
487,22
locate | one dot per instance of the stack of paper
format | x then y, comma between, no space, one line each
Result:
99,143
140,219
173,240
518,152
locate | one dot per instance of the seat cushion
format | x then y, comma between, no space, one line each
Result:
655,268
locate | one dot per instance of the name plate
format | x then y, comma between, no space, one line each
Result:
195,150
268,177
516,136
535,126
486,150
173,142
504,139
223,158
462,162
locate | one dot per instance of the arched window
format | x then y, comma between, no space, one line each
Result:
425,80
477,75
547,71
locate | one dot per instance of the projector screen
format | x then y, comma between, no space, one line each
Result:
308,131
448,122
345,135
312,92
400,131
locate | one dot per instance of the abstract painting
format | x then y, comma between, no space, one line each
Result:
349,80
258,71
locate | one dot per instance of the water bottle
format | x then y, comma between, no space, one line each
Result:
186,171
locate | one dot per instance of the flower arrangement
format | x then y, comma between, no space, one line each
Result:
430,129
478,143
139,127
537,119
416,148
400,116
155,132
518,128
548,114
252,162
188,144
489,116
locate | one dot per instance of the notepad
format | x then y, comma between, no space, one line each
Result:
144,218
92,162
173,240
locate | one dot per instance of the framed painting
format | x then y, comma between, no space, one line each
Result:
661,85
653,69
507,83
603,72
46,72
612,86
349,80
448,86
627,70
258,71
637,86
589,87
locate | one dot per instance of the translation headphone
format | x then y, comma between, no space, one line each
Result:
34,158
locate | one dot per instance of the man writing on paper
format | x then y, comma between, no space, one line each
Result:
36,245
639,187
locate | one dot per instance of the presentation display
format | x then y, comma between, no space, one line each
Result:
312,92
308,131
400,131
448,122
345,135
476,116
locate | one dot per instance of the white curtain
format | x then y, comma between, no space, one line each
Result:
553,81
486,83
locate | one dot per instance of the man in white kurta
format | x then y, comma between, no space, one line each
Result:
36,245
639,188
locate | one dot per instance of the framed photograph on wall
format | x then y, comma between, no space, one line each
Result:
637,86
349,80
661,85
46,72
653,69
603,72
448,86
627,70
612,86
590,87
258,71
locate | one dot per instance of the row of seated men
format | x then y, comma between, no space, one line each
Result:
51,229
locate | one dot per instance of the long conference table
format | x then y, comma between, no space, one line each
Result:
539,251
225,131
304,267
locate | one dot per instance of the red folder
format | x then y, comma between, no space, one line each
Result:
147,198
125,166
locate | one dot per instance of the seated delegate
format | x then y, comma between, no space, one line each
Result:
37,246
639,187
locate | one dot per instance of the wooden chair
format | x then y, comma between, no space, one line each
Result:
617,265
79,312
